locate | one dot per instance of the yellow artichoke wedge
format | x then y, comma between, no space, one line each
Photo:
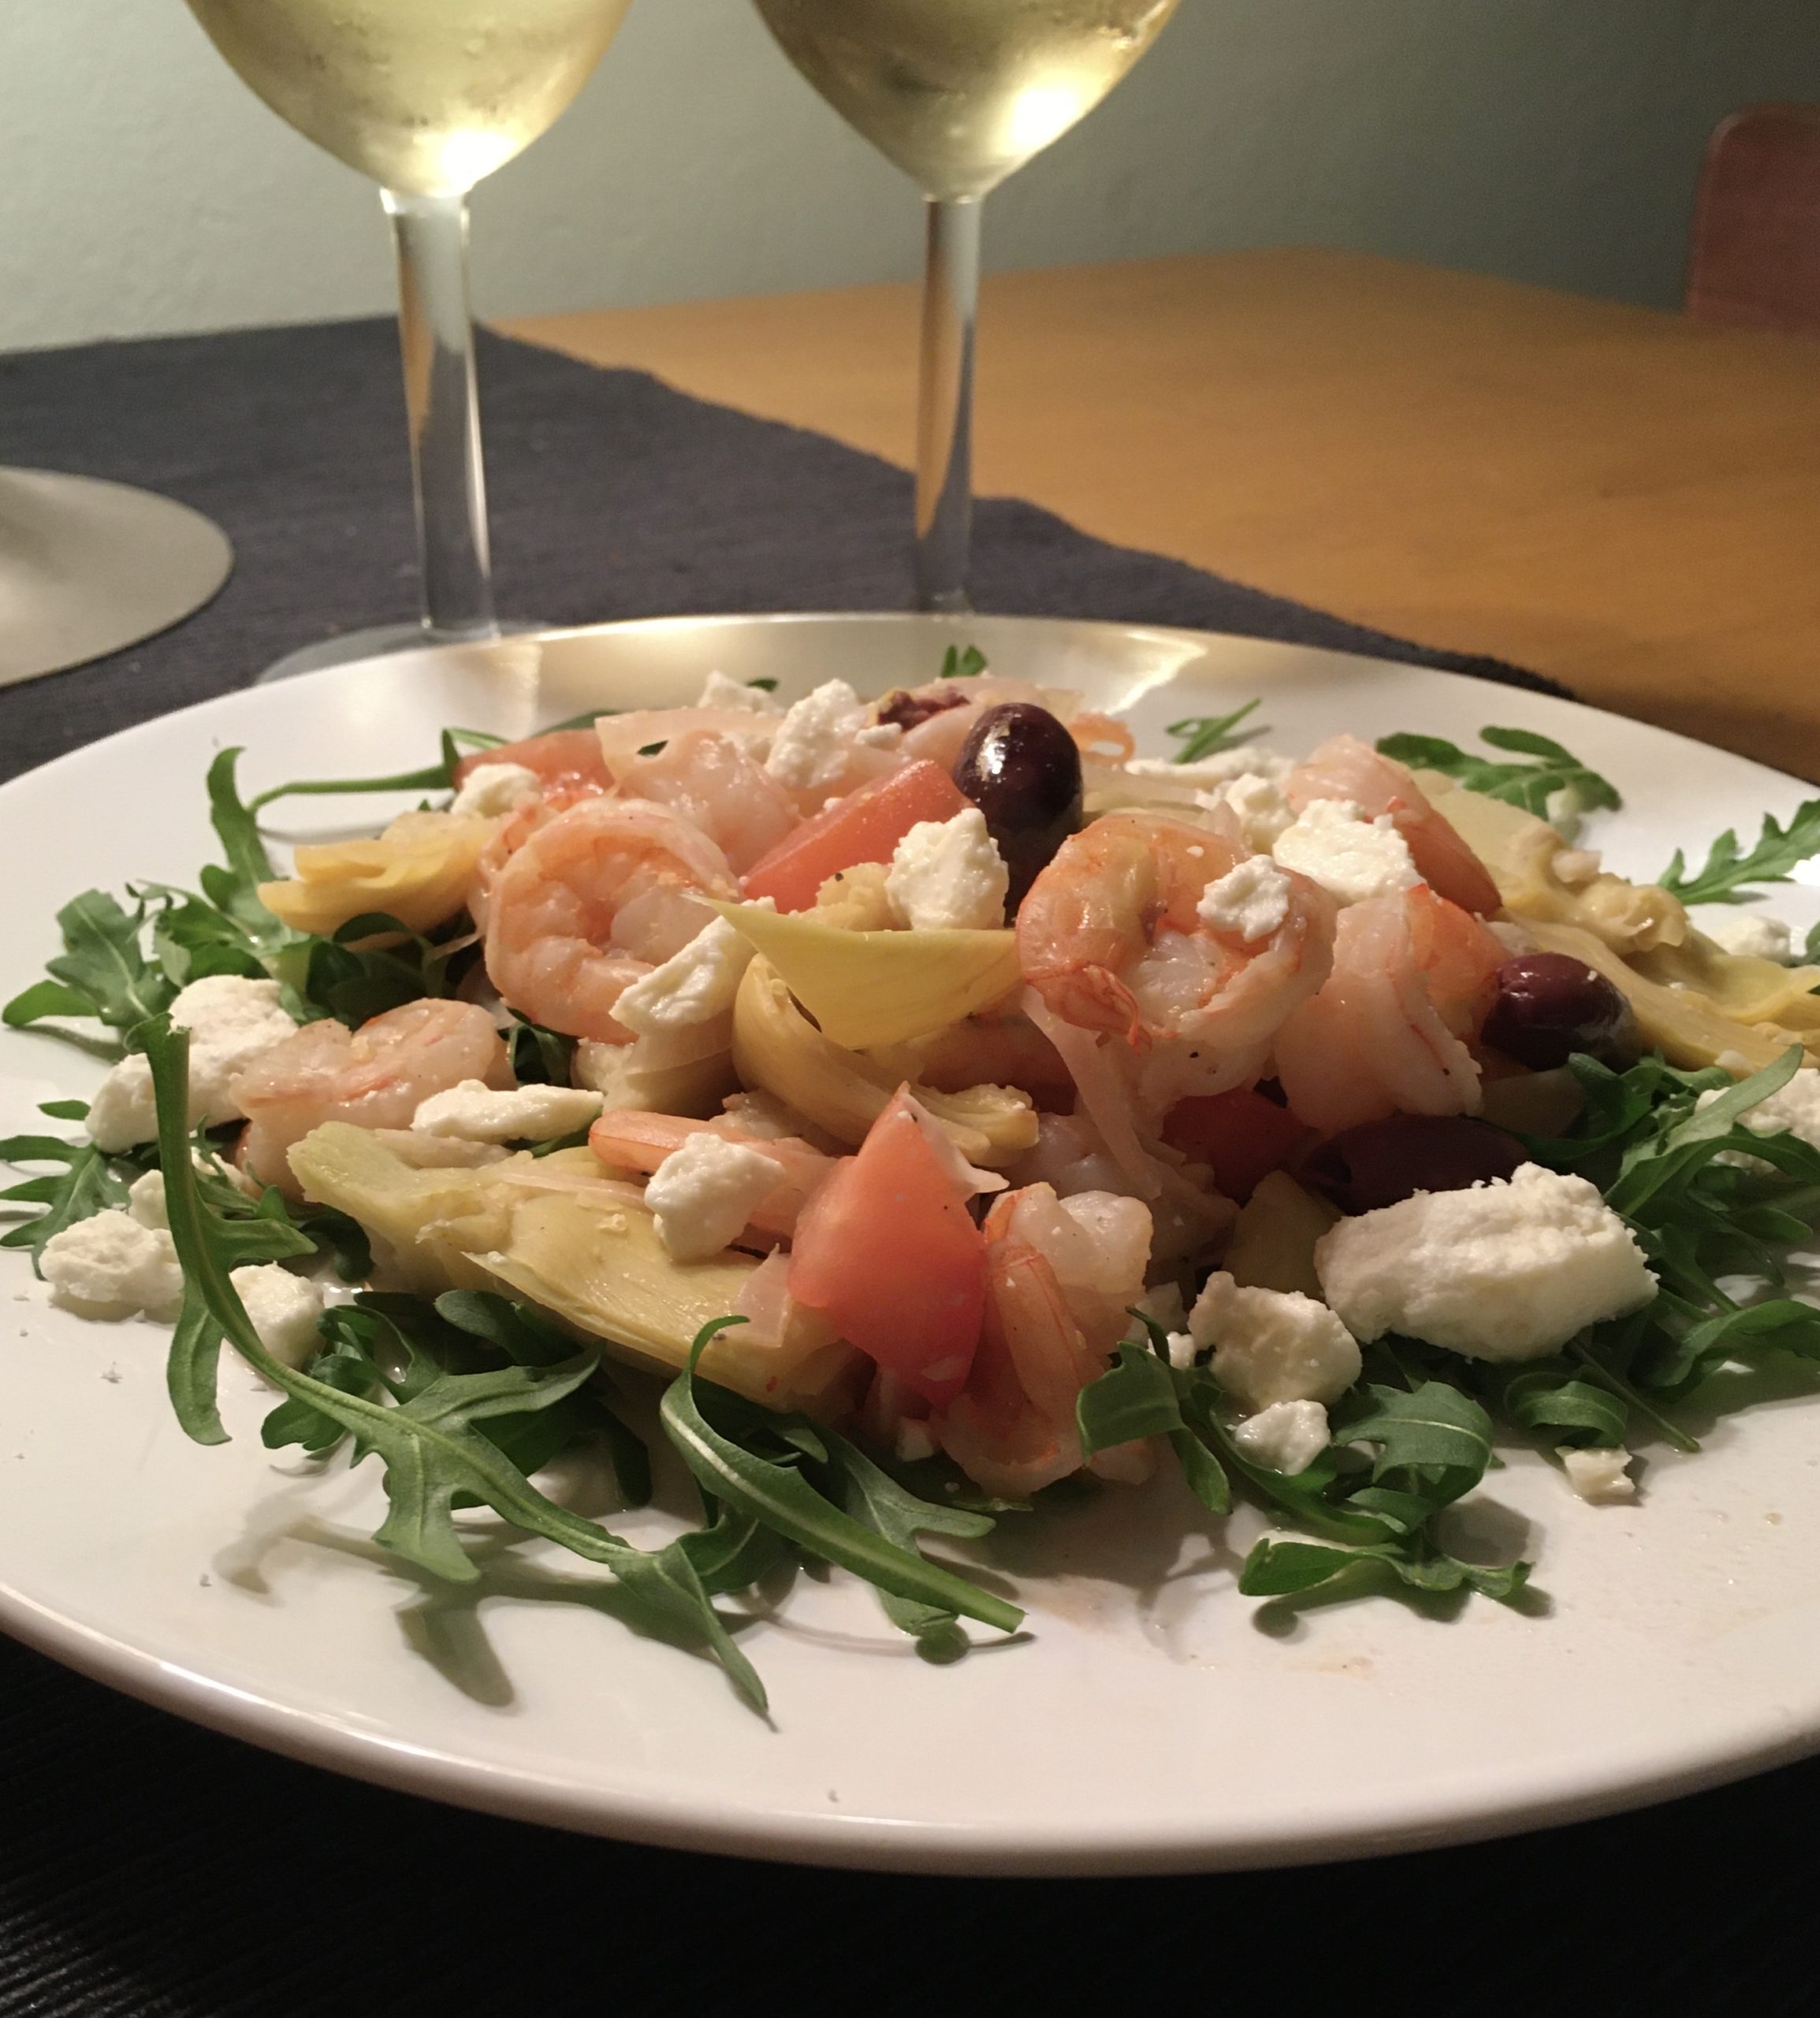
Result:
418,871
868,989
559,1233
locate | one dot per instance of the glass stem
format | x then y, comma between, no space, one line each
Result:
442,400
945,412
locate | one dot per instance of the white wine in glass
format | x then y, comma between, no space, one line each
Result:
959,93
427,97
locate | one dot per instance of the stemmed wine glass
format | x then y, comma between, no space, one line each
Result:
426,97
959,93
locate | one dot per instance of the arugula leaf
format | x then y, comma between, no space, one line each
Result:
90,1182
430,1446
1728,872
540,1057
1200,736
1284,1569
1547,1398
1141,1395
958,663
439,776
354,981
779,1496
1531,785
102,971
1436,1435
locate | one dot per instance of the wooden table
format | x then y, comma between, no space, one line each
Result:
1613,495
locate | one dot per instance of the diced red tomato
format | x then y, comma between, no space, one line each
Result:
888,1253
865,826
562,757
1242,1134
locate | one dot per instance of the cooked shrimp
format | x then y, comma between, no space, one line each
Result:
1112,940
598,896
1058,1275
375,1077
712,780
627,1140
1344,767
1413,978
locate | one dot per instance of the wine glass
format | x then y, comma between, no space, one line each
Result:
427,97
959,93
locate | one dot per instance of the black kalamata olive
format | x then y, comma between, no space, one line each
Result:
1020,767
1380,1163
1550,1005
911,711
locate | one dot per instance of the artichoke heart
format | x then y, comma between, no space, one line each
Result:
1687,1028
418,871
868,989
559,1233
1520,854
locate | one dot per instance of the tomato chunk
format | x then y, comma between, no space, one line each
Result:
888,1253
865,826
1242,1134
561,757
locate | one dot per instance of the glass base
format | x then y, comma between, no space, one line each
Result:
382,641
88,568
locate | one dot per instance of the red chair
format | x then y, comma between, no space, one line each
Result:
1755,252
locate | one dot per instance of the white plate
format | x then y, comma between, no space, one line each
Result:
1152,1719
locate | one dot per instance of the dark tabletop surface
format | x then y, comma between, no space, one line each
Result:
149,1868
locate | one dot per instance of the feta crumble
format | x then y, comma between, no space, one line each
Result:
1755,937
1219,769
703,1193
285,1311
1506,1270
1334,844
816,739
1792,1109
1251,901
948,875
145,1201
231,1021
472,1111
110,1265
693,986
1600,1477
719,691
1262,810
490,790
1286,1437
1272,1346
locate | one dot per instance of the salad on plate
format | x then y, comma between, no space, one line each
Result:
957,1111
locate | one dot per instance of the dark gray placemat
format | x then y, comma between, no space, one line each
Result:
151,1870
613,496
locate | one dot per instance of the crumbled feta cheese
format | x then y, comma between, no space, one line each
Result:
948,875
693,986
475,1112
145,1201
1756,937
1286,1437
1273,1345
703,1193
1262,812
491,790
1335,845
285,1311
816,738
1182,1350
913,1442
1793,1109
110,1266
1509,1270
231,1020
1251,901
719,691
1601,1477
1221,768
